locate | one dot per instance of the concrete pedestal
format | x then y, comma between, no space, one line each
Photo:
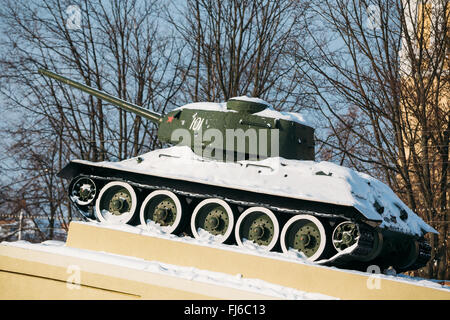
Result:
99,262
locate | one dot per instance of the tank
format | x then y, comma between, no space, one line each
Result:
243,173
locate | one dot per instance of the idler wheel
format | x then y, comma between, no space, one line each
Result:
83,191
164,208
345,235
259,225
214,216
305,234
116,203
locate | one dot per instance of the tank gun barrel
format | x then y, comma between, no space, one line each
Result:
150,115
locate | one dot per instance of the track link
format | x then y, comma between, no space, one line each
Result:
423,256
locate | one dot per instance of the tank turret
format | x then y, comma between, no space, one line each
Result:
241,128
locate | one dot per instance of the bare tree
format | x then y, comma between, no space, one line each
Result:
240,48
381,75
116,47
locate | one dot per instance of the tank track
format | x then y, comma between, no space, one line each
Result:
356,259
423,256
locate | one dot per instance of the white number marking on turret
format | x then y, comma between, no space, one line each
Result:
197,123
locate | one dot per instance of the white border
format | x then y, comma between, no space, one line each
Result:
123,218
271,216
219,238
171,195
316,222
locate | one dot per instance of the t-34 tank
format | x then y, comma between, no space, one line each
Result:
243,172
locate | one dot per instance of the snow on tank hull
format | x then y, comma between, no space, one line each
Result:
327,213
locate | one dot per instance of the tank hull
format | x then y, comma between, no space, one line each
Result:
286,188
